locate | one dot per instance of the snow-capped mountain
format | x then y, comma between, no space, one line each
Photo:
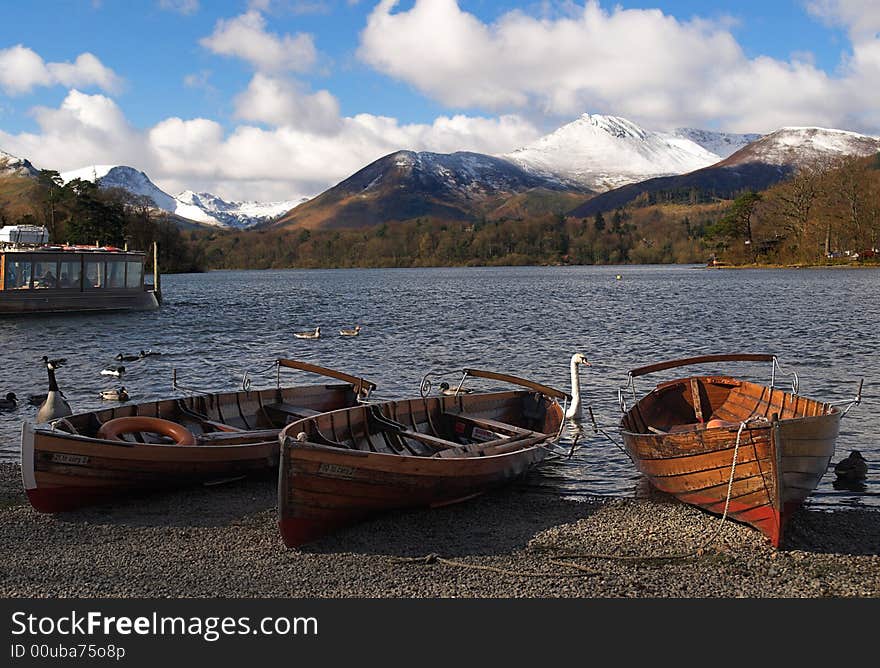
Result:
406,185
10,164
202,208
605,152
721,144
230,214
800,146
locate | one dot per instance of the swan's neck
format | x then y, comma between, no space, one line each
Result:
575,407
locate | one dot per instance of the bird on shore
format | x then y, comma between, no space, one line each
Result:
55,405
127,358
852,468
10,402
577,360
451,391
309,335
115,394
350,332
117,371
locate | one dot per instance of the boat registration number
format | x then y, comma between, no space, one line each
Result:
336,471
480,434
61,458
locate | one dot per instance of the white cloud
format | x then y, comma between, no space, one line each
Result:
245,37
638,63
22,69
185,7
860,17
284,162
281,102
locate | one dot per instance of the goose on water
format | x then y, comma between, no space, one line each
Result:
117,371
55,405
10,402
350,332
115,394
851,468
309,335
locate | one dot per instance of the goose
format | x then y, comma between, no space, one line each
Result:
10,402
128,358
309,335
118,371
451,391
116,394
55,405
853,467
350,332
574,410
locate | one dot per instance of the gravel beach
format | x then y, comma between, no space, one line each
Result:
516,542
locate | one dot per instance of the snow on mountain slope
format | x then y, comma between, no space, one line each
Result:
721,144
800,146
605,152
10,164
202,208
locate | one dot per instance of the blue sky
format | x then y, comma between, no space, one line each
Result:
281,98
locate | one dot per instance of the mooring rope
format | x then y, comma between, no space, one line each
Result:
437,559
699,550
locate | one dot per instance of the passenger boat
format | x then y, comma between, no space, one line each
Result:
92,457
343,466
39,277
735,448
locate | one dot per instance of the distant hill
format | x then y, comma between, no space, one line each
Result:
407,185
756,166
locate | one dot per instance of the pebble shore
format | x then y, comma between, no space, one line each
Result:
516,542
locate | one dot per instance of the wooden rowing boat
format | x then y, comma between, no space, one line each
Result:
206,438
343,466
747,451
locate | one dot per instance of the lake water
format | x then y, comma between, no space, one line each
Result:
214,328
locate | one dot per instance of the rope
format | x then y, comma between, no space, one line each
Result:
435,559
700,550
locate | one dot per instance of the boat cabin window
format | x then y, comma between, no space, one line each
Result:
45,274
69,274
134,274
95,277
115,274
18,274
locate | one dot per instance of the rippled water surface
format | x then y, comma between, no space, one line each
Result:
214,328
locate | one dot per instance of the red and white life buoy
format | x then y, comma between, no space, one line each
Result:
114,429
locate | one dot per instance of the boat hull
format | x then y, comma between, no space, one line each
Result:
759,481
322,487
64,470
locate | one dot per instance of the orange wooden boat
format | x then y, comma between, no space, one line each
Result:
206,438
747,451
345,465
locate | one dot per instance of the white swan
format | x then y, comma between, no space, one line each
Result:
574,410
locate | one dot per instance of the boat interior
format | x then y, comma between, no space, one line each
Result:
221,418
701,402
451,426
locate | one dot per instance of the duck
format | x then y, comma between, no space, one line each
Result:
451,391
309,335
55,405
148,353
115,394
350,332
574,411
10,402
128,358
851,468
118,371
37,399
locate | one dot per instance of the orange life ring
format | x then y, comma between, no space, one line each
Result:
113,429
